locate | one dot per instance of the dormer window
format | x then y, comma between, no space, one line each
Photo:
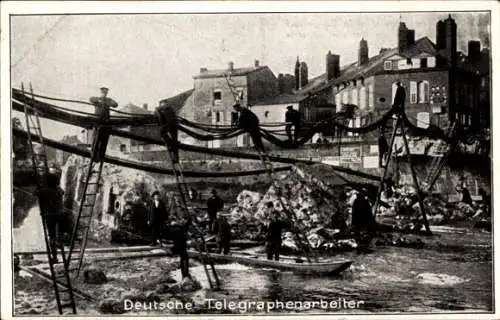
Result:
423,63
217,95
388,65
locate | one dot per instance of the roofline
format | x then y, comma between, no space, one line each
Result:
201,76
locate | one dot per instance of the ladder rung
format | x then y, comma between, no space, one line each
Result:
86,216
67,305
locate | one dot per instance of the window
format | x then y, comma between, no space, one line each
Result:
370,96
431,62
345,97
266,114
394,88
217,116
423,119
217,96
415,63
350,125
408,61
413,92
423,91
337,101
362,98
355,97
387,65
423,63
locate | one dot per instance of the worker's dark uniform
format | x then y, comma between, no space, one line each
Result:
101,134
178,234
51,207
273,243
363,221
169,130
399,98
383,149
223,231
249,122
157,217
292,117
214,205
466,197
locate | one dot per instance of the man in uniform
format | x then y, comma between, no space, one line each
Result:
400,96
292,118
179,233
274,233
249,122
223,231
51,207
157,218
169,129
102,105
214,205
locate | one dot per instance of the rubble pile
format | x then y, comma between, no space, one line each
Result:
318,210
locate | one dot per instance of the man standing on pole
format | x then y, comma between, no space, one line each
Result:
102,105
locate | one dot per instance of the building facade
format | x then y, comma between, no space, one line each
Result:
216,91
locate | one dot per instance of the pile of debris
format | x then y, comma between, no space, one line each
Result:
318,209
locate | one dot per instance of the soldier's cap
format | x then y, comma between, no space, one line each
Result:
103,89
289,107
156,192
237,105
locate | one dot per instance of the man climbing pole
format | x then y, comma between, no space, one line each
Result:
292,118
400,96
249,122
169,129
102,105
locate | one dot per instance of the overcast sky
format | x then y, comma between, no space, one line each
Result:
145,58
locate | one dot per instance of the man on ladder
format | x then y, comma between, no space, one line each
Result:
102,105
169,133
51,198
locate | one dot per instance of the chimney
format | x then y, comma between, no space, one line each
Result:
203,70
440,35
256,63
332,65
297,74
402,37
474,51
363,52
281,83
230,66
451,40
410,37
303,74
145,106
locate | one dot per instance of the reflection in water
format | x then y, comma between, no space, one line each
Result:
389,280
29,236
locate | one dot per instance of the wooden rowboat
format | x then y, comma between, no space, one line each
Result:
318,269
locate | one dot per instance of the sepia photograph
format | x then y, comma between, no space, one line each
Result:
248,160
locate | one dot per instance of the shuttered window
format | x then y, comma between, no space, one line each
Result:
413,92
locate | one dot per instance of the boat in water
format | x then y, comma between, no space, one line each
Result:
327,268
